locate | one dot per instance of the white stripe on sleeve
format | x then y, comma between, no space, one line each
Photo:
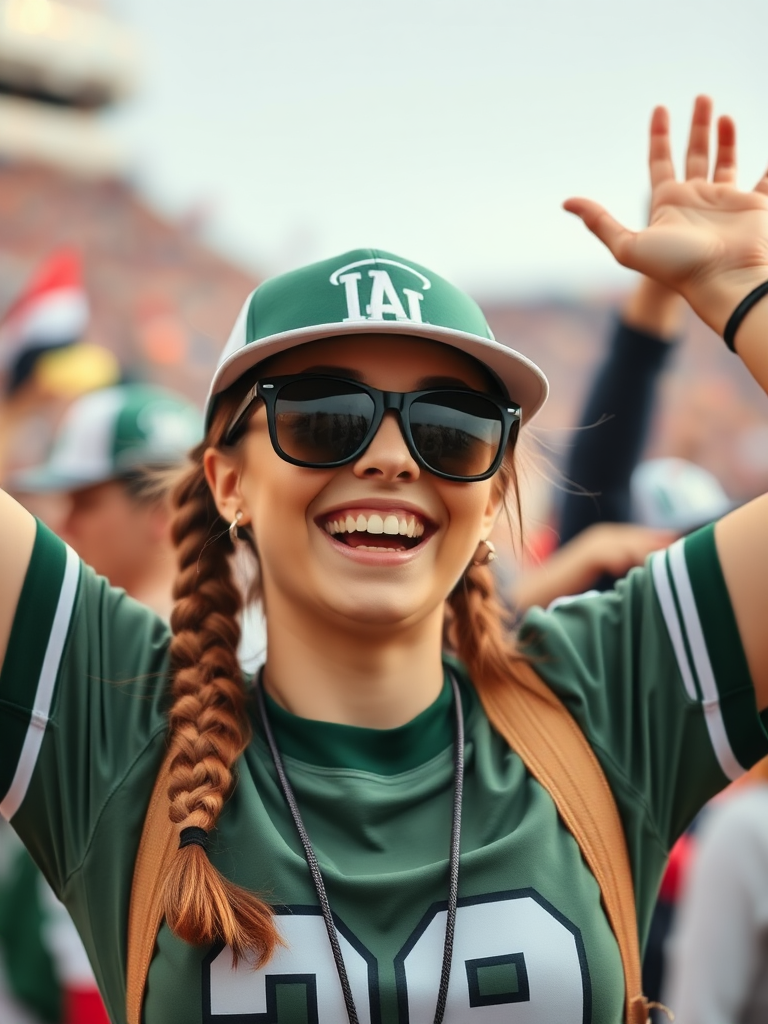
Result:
711,699
669,611
45,687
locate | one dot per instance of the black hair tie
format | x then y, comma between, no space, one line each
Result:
193,836
734,321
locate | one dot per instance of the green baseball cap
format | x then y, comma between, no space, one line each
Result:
112,432
369,291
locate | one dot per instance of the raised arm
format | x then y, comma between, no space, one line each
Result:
17,537
709,241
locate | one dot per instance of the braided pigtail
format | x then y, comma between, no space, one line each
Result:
208,727
478,632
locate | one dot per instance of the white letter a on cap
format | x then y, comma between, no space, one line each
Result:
384,298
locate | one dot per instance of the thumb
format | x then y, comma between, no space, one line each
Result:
613,235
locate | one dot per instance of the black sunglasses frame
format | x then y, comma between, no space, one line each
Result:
400,402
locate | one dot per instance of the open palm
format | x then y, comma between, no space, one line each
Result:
705,238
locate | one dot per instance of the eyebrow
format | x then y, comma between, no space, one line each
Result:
422,383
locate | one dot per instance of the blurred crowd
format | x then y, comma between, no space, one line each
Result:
92,450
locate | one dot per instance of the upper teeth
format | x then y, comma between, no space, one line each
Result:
405,526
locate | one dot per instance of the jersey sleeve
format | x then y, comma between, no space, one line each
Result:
655,674
82,697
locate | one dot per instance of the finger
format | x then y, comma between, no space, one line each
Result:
725,162
697,157
660,156
612,234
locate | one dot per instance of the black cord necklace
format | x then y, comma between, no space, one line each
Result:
317,878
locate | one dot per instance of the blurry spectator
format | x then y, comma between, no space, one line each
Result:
656,948
602,550
675,494
600,540
45,970
717,971
617,414
105,463
14,1008
104,460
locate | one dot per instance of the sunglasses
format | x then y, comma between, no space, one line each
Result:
323,422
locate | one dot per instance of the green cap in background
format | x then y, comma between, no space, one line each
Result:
112,432
369,291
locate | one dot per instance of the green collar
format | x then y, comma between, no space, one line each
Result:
378,751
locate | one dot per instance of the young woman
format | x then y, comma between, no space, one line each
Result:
360,439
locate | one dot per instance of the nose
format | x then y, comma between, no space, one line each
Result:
387,456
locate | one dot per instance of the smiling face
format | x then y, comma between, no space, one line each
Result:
378,543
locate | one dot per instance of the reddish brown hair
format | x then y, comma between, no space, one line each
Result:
477,626
208,722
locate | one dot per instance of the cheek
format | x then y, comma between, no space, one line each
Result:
278,496
467,506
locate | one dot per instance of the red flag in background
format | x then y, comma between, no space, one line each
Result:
41,334
51,311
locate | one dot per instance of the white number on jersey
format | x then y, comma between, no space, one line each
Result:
516,960
300,982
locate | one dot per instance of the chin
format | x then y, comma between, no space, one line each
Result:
373,610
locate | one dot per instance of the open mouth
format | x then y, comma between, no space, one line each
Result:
376,531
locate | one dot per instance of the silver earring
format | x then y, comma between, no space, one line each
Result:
233,534
483,558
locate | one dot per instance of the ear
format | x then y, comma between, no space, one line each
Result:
222,471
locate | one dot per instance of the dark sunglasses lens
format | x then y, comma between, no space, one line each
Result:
322,421
456,433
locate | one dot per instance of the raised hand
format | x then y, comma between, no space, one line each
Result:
705,238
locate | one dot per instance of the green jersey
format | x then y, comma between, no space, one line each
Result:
654,673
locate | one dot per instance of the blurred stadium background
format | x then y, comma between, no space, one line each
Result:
162,299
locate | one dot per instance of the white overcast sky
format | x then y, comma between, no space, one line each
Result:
448,131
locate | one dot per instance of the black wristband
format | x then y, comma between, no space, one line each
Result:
193,836
734,321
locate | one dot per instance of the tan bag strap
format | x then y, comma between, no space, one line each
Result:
540,729
159,839
552,746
